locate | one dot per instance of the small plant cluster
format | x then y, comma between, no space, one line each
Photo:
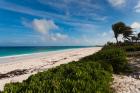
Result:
112,56
76,77
127,47
92,74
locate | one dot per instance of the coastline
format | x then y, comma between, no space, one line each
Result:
38,62
33,50
6,59
34,53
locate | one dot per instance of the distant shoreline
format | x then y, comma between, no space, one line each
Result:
33,63
26,52
7,59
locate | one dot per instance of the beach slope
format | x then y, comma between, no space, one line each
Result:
19,68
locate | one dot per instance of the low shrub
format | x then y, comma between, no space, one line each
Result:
124,46
75,77
132,48
114,56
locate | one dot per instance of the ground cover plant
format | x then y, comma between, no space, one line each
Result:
92,74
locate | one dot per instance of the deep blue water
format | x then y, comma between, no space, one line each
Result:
10,51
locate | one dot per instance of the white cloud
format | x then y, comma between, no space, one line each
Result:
22,9
43,25
66,4
137,7
135,25
105,37
61,36
117,3
62,5
88,7
58,36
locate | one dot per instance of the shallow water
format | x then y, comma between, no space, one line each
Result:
11,51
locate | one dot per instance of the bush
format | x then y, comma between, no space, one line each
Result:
113,56
75,77
132,48
124,46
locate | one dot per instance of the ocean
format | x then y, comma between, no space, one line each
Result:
20,50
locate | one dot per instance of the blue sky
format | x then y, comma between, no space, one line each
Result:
64,22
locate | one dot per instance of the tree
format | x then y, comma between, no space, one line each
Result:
118,28
134,38
138,36
127,33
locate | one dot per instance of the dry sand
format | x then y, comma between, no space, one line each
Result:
12,66
129,83
126,84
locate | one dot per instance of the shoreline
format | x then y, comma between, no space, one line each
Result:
37,54
35,63
27,54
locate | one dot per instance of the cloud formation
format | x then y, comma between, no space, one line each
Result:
137,7
74,17
43,25
58,36
83,9
117,3
135,25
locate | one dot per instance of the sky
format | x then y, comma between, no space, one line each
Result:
64,22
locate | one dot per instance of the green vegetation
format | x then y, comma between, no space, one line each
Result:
114,57
92,74
121,28
76,77
127,47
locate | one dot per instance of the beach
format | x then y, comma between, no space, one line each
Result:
19,68
130,82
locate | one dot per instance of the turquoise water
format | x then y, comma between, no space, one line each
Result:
10,51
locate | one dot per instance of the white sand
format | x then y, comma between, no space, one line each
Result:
126,84
40,62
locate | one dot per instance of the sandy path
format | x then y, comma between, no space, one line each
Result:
128,83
